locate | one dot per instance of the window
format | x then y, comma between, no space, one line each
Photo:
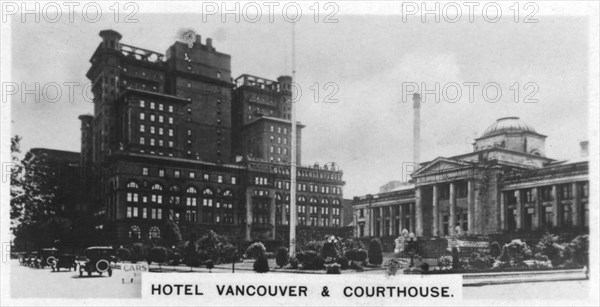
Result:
207,197
142,141
160,119
154,233
142,128
233,180
189,132
142,116
145,171
284,141
206,177
171,109
170,120
170,143
192,175
220,179
160,131
160,107
134,232
152,105
177,174
145,213
170,132
152,118
152,130
142,103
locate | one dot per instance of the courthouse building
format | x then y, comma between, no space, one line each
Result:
506,184
176,138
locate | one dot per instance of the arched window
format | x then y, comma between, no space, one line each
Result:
227,193
174,188
135,233
132,185
156,197
313,200
191,198
154,233
336,201
132,196
302,199
287,198
207,197
325,201
278,196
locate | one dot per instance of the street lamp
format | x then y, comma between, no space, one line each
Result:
412,248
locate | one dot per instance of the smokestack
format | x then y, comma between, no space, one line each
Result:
416,128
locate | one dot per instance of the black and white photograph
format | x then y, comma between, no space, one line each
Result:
317,153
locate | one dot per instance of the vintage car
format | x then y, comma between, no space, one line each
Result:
66,261
46,257
29,259
97,260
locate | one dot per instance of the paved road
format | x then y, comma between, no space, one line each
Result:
28,282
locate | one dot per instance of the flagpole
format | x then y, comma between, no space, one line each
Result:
293,185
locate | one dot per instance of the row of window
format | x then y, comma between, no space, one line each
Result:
191,175
279,139
279,130
279,150
161,119
160,130
564,191
135,233
152,105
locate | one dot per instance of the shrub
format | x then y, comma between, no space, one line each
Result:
191,254
157,254
315,246
329,250
358,255
175,258
343,261
333,268
255,250
424,266
495,250
270,255
228,252
282,257
445,262
392,267
455,258
209,265
578,250
293,263
551,248
480,262
261,265
517,251
124,253
375,253
310,260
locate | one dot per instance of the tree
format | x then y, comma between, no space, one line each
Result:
37,204
375,252
261,265
282,257
173,233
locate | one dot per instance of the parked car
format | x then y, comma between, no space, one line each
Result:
97,260
30,259
46,257
66,261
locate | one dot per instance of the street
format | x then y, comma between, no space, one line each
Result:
27,282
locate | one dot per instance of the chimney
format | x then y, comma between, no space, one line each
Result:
583,145
209,42
416,128
198,39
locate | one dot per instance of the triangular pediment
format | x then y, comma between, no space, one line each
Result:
440,164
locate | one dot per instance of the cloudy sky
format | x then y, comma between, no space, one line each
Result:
369,131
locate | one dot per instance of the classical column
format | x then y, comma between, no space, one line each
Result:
519,209
371,221
392,218
576,206
283,214
411,218
419,213
452,203
402,214
539,214
319,222
470,211
380,231
502,211
555,216
248,213
436,211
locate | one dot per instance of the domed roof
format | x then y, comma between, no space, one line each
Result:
507,124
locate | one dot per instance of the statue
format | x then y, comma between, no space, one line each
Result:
400,241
